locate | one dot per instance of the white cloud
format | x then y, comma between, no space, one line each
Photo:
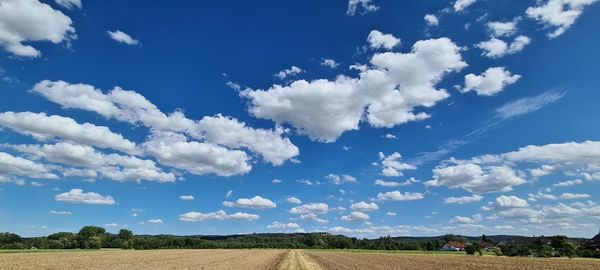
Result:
496,48
390,136
218,215
393,166
77,196
399,196
510,202
229,132
340,179
186,197
69,4
568,183
12,166
60,213
200,158
155,221
391,214
379,40
387,93
43,127
500,29
131,107
122,37
495,173
279,225
464,199
256,202
311,208
558,13
292,71
527,104
276,181
366,5
406,182
460,5
431,20
490,82
90,162
572,196
24,21
461,219
364,207
330,63
293,200
233,85
474,178
229,193
355,216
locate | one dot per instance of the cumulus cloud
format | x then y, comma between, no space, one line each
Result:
560,14
340,179
24,21
155,221
122,37
89,163
500,29
292,71
460,5
496,48
399,196
355,216
474,178
293,200
218,215
330,63
568,183
69,4
77,196
490,82
311,208
364,207
379,40
431,20
186,197
388,93
496,173
392,165
221,134
366,5
464,199
44,127
256,202
12,167
510,202
279,225
461,219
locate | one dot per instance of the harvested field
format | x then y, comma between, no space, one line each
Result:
275,259
148,259
329,260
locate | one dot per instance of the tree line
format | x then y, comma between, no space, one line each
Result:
93,237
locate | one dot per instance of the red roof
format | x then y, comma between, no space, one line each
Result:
457,244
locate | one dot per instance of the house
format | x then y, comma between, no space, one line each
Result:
453,246
489,247
593,243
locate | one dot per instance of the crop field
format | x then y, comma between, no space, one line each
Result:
275,259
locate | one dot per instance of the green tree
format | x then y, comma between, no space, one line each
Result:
90,237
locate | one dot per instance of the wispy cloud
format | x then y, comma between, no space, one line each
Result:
506,112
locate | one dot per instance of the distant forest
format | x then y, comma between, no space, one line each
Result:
92,237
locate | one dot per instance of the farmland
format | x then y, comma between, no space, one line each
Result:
274,259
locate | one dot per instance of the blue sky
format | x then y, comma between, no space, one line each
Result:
358,117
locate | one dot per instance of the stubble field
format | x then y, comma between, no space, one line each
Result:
275,259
